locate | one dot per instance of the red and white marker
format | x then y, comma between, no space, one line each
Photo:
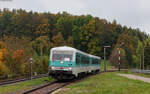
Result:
119,55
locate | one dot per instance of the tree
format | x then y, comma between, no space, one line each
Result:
147,54
70,41
64,25
139,52
42,45
43,28
93,47
17,62
87,33
5,26
76,37
3,69
58,40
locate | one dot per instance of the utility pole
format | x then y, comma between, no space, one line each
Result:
143,58
105,57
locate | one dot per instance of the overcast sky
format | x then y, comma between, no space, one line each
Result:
132,13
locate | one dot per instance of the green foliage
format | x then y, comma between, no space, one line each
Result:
41,45
147,54
139,54
40,64
64,25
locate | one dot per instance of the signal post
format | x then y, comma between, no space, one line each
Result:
105,56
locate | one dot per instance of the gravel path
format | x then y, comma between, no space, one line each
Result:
136,77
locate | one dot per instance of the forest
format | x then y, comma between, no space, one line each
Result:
32,34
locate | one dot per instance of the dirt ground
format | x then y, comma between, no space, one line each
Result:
131,76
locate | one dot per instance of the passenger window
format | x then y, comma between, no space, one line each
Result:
77,58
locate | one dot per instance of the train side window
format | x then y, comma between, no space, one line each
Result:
88,61
95,61
92,61
83,60
77,58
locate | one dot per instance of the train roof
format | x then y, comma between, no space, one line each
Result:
73,49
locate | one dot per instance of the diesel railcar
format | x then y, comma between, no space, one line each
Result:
68,63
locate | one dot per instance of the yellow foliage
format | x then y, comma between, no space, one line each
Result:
1,55
3,69
2,51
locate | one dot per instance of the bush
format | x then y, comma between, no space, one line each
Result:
40,65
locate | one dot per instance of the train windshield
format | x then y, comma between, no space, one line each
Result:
62,55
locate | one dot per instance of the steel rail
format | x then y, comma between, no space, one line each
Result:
20,80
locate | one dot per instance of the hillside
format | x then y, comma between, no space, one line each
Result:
31,34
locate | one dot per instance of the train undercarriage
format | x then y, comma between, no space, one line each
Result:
67,75
61,74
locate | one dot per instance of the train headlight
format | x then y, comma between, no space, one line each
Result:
52,67
70,68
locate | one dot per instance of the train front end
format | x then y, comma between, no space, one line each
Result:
61,63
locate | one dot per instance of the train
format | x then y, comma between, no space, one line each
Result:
68,63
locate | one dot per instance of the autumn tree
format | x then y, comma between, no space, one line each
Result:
42,45
70,41
58,40
43,28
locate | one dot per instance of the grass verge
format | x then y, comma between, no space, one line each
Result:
23,85
107,83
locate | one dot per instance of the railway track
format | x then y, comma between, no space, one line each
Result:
55,85
20,80
47,88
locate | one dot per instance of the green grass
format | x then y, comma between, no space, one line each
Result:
107,83
108,65
23,85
